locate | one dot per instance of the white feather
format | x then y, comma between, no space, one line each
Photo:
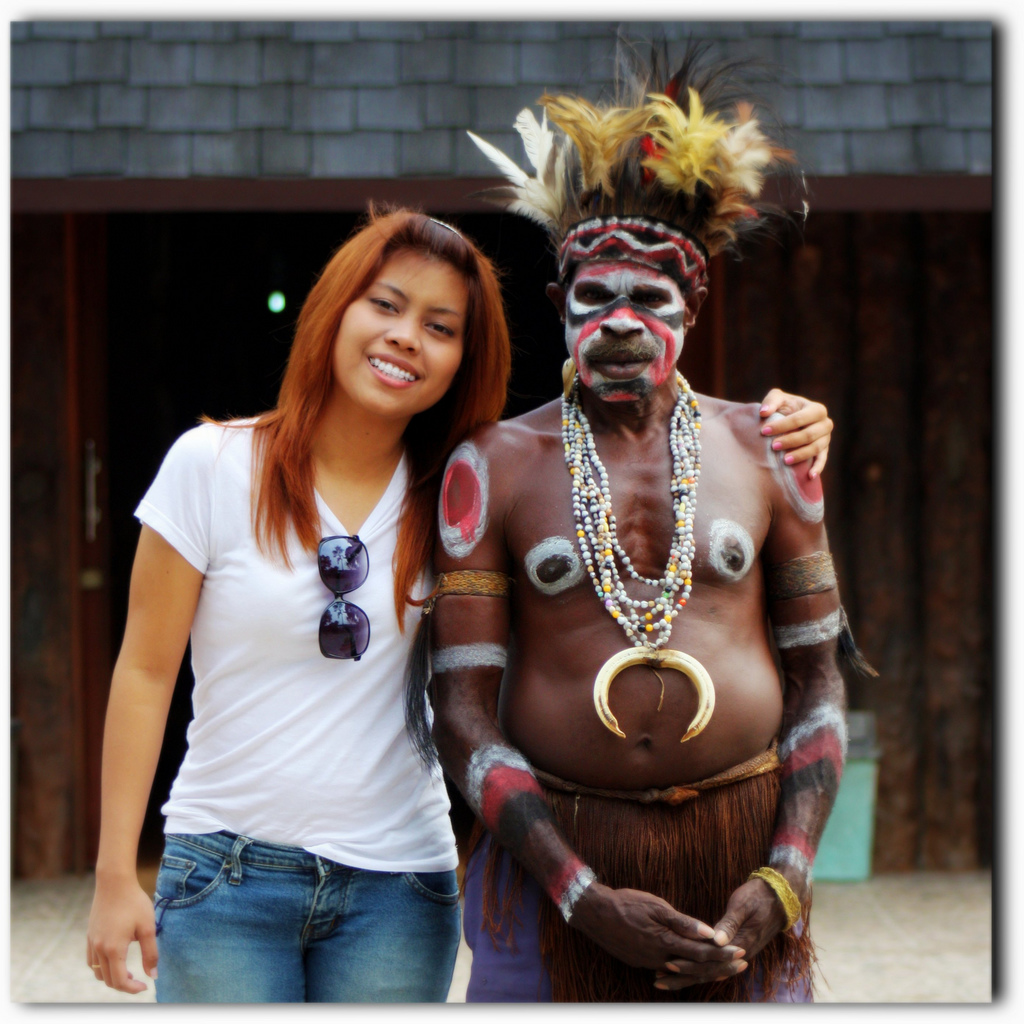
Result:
508,167
541,198
537,138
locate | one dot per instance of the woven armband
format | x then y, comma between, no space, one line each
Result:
472,582
783,890
809,574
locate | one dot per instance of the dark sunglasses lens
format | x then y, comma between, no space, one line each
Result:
344,630
344,563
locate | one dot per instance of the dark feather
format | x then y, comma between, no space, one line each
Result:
850,651
417,685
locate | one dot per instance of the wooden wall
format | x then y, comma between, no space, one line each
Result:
887,319
42,691
884,317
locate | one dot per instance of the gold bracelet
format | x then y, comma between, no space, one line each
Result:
789,900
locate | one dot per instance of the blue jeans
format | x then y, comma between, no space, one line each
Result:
243,921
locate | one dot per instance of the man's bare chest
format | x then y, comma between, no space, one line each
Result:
730,523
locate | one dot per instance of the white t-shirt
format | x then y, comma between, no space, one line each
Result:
286,745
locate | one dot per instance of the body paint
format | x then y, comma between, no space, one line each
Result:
621,323
502,789
464,656
803,491
812,753
462,515
730,550
806,634
553,565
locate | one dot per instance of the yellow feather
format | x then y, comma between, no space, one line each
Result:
688,144
598,134
744,154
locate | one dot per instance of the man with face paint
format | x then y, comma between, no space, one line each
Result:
612,569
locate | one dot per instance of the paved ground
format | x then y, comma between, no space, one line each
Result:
913,938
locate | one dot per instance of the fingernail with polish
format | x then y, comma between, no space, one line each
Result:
788,460
776,445
766,430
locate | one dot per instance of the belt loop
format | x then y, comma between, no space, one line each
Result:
241,842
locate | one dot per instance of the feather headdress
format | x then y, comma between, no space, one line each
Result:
687,152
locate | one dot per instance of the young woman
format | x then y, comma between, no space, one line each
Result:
309,855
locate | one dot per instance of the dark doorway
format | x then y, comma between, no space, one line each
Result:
191,334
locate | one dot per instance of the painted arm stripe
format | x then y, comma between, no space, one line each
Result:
824,748
483,759
501,786
824,716
464,656
569,885
806,634
818,780
783,855
795,839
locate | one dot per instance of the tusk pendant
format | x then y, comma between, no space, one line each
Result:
690,667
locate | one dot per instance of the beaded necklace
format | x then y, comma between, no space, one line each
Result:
647,623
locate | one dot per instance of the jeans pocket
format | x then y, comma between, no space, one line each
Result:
437,886
182,881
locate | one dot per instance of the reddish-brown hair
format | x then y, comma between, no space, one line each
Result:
283,469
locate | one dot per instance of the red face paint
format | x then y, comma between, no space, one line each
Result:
620,314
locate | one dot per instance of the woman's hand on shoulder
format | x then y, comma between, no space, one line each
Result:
803,431
121,913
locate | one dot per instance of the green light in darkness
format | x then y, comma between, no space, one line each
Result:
275,302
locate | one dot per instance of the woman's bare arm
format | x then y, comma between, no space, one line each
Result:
162,602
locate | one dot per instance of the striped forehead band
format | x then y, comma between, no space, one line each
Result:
650,243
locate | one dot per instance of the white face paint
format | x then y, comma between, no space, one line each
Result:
807,634
730,550
624,327
462,505
554,565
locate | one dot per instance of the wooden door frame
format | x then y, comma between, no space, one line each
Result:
85,249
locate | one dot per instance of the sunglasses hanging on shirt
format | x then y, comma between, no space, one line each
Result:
344,627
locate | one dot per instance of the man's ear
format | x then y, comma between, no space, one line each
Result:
556,293
693,302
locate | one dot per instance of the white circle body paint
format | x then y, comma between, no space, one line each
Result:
730,550
554,565
462,505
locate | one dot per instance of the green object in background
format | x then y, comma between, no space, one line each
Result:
844,854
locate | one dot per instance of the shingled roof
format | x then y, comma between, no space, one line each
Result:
393,98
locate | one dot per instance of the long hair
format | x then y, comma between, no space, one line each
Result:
283,475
